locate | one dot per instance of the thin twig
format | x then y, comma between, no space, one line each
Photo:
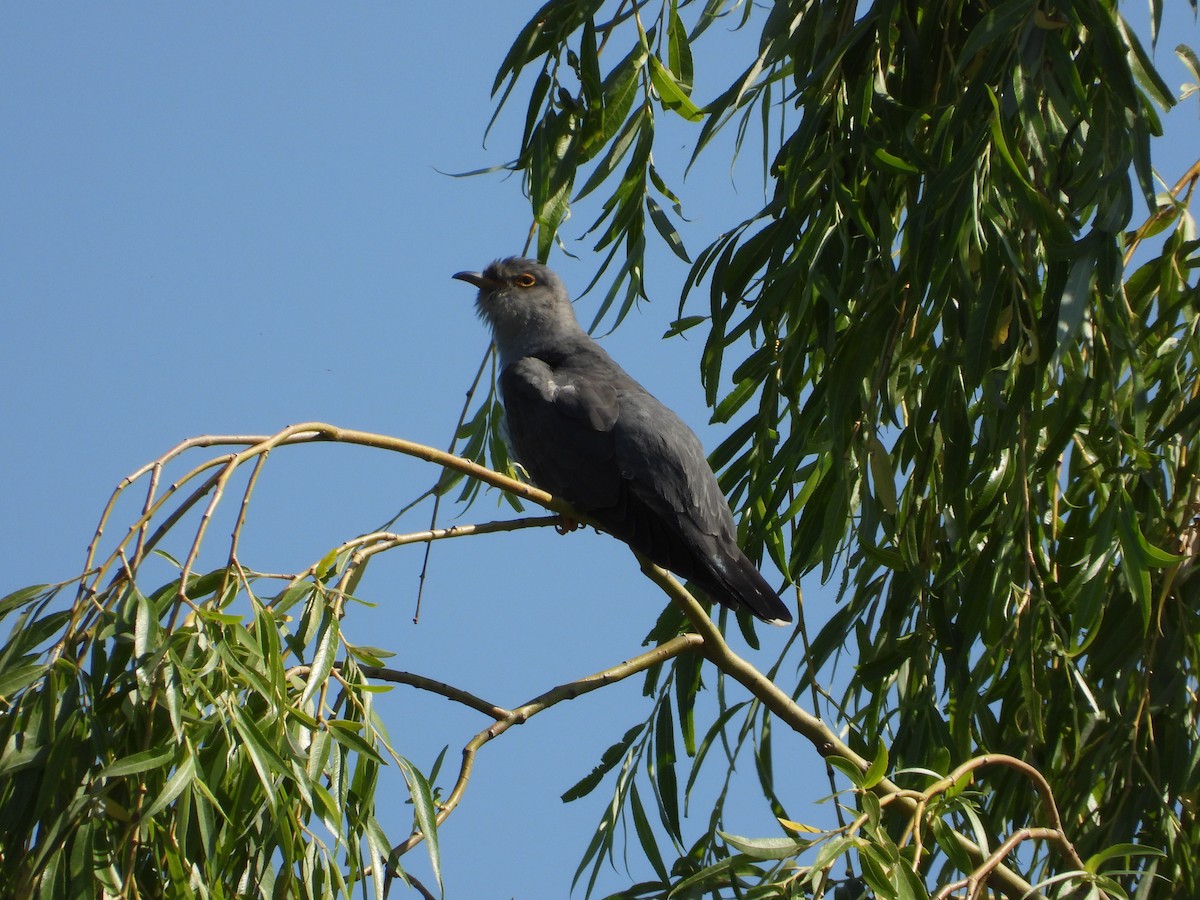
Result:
552,697
395,676
1188,183
437,495
449,691
380,542
236,536
151,490
977,880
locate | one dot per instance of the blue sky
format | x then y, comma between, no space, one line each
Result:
228,218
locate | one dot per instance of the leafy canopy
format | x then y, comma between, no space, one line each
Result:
962,381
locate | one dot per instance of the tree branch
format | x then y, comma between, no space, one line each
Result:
542,702
437,687
803,722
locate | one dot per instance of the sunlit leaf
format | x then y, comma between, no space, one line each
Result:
425,812
765,848
671,92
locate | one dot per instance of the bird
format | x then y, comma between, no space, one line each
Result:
587,432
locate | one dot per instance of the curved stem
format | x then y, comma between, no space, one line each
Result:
803,722
542,702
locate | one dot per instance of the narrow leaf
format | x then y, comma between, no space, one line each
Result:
765,848
670,92
139,762
666,229
425,812
878,769
322,664
175,785
608,761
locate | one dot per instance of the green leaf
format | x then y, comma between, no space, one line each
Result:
893,163
1073,303
660,185
765,848
21,597
882,477
610,758
425,812
847,768
184,774
671,93
687,685
1143,68
646,837
630,132
328,644
995,27
1188,57
709,878
666,229
263,756
679,50
347,734
1094,862
663,771
907,883
686,323
870,805
16,679
154,758
379,847
546,28
878,769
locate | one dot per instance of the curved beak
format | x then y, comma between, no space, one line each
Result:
478,279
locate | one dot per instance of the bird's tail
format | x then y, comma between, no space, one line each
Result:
739,585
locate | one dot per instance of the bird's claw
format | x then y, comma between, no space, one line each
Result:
566,525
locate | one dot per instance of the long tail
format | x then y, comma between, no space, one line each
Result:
739,585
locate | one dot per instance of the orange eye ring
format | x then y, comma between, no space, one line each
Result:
524,280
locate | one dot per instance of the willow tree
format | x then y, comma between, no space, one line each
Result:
957,352
952,391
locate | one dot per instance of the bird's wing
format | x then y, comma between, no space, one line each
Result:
666,467
589,433
678,515
560,423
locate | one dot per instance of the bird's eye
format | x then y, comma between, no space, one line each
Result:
525,280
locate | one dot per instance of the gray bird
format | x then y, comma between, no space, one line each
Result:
587,432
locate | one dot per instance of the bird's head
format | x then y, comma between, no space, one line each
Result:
525,304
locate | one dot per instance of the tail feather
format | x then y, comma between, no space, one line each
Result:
739,584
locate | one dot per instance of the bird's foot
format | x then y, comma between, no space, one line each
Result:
566,525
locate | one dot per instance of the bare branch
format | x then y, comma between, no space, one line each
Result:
524,713
436,687
977,880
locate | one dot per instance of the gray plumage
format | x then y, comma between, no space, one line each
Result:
587,432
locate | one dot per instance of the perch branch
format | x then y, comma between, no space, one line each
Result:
803,722
378,542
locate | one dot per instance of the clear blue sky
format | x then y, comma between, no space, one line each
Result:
228,218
